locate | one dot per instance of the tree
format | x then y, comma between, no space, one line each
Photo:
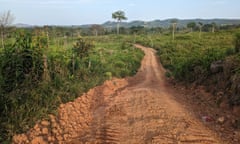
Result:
237,43
191,25
6,18
200,25
119,16
96,29
174,25
214,25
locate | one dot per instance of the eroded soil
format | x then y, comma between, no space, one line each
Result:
138,110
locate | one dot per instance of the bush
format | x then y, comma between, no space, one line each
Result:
21,70
22,61
237,42
33,97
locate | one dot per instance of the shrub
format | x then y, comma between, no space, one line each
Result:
22,61
237,42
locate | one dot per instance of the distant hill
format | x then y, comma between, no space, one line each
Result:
21,25
155,23
167,22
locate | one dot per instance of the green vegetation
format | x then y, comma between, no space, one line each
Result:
42,67
204,58
39,71
187,52
237,43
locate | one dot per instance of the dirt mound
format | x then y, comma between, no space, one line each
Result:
73,119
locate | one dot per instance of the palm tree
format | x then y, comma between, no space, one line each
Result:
119,16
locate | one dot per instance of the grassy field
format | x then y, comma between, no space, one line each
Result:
38,73
189,51
66,69
191,58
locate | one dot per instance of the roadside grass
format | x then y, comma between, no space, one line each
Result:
109,56
188,57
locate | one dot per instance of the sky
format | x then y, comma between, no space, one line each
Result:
78,12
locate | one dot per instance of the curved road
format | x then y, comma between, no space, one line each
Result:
137,110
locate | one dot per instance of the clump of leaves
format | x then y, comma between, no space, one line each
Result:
237,43
82,47
20,62
21,69
80,51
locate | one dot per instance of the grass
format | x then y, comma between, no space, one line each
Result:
111,56
188,55
189,58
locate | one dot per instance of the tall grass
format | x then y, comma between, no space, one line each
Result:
188,57
26,103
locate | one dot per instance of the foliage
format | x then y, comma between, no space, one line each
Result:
21,61
189,58
6,18
191,25
119,16
237,43
33,96
82,48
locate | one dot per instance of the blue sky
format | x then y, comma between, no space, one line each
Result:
75,12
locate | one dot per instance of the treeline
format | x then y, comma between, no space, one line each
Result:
96,30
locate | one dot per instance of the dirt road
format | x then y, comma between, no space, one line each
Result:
137,110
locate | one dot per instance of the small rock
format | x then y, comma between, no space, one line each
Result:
235,140
55,131
207,119
52,118
49,138
161,121
216,66
65,136
45,123
228,116
61,105
223,105
220,93
45,131
54,125
236,110
38,140
221,120
59,138
222,129
60,130
20,138
36,127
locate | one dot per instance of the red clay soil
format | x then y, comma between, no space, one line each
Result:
139,110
